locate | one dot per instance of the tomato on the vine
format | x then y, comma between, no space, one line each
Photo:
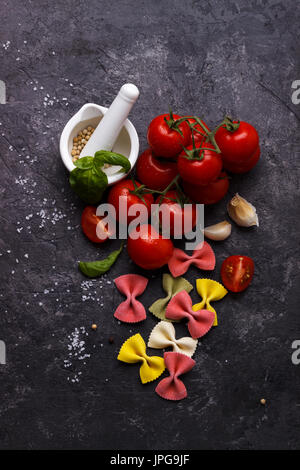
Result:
150,250
237,272
199,165
92,224
199,132
209,194
166,137
154,173
237,141
176,212
243,167
129,193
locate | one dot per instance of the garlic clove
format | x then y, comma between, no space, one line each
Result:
242,212
219,231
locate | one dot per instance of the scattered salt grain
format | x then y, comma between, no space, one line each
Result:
6,45
76,352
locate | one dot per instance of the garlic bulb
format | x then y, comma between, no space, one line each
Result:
219,231
242,212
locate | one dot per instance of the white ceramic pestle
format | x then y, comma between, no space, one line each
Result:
107,131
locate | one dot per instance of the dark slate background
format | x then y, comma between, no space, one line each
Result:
205,57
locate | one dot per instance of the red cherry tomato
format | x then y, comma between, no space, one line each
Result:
239,145
198,136
124,190
237,272
155,174
247,166
176,212
89,223
166,141
200,172
209,194
149,251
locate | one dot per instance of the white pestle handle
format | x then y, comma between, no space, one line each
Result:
108,129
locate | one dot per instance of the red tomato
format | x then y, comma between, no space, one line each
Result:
164,140
89,223
239,145
200,172
197,136
124,190
154,173
209,194
237,272
247,166
176,212
149,251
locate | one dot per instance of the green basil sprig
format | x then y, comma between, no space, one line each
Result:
88,180
97,268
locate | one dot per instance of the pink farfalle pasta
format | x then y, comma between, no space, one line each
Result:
131,310
198,322
203,257
172,388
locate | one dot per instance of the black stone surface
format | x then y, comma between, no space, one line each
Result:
205,57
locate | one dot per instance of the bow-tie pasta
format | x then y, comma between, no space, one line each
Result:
134,350
171,286
198,322
172,388
163,336
203,257
209,290
131,310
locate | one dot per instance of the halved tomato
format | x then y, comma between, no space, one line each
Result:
89,223
237,272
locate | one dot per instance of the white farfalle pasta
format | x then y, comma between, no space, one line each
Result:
163,336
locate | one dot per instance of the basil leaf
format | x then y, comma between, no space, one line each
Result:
104,156
97,268
88,180
88,184
84,163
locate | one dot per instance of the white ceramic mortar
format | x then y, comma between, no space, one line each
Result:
126,143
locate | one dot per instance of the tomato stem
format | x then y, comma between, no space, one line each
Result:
228,124
139,191
210,136
169,185
181,199
172,123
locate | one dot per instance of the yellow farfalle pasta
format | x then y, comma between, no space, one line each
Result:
134,350
210,291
